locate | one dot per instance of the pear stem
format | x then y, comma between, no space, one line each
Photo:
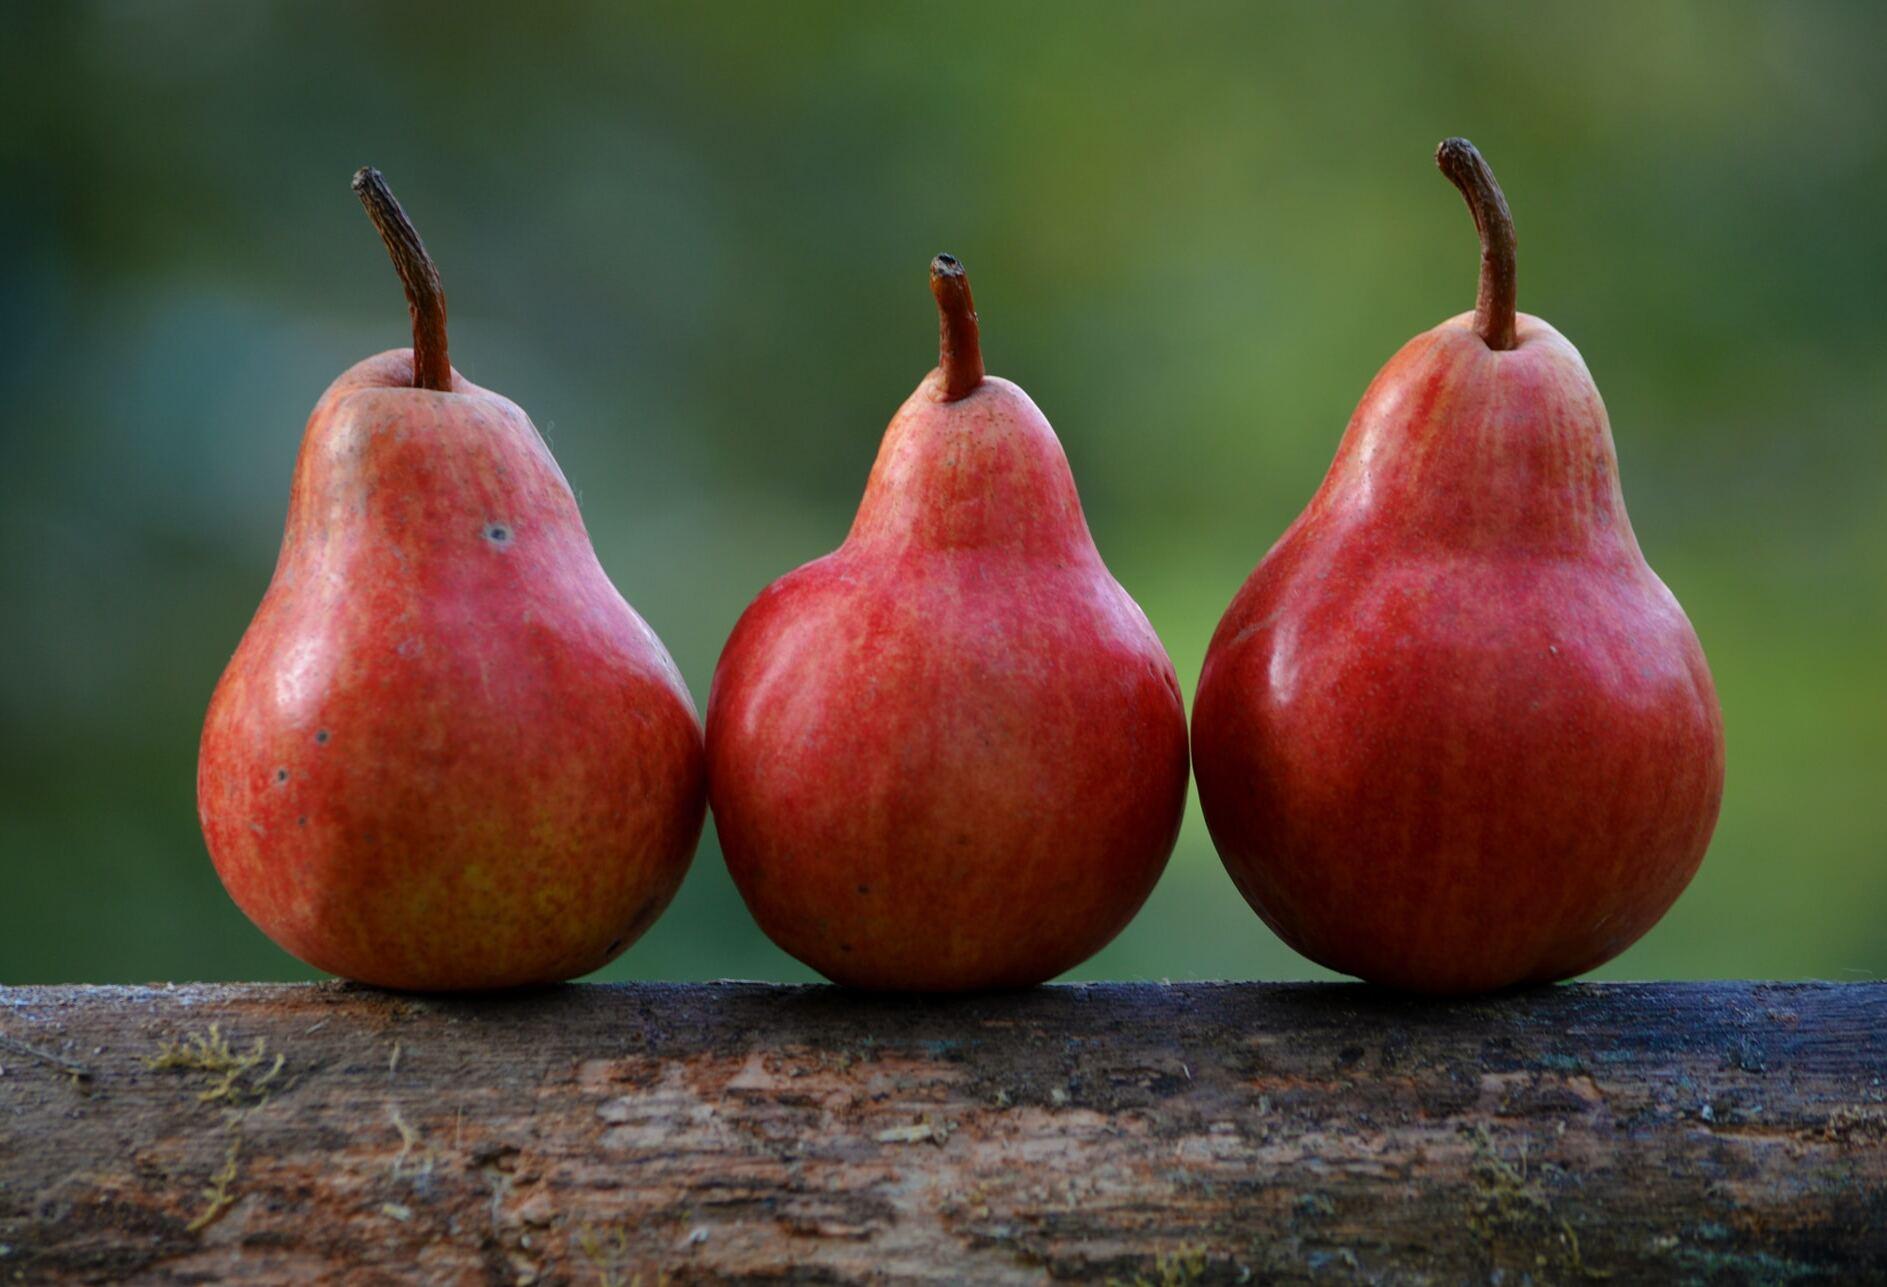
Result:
959,349
425,294
1468,170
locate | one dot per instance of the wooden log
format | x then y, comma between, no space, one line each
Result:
1715,1133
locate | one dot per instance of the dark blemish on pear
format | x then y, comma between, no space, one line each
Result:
302,821
321,737
615,946
864,889
498,534
281,775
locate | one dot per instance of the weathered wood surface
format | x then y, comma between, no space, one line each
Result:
1217,1133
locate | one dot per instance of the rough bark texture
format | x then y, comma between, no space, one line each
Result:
1712,1133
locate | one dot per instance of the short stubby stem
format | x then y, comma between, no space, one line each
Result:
425,294
959,350
1494,303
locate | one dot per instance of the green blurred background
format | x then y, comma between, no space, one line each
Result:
692,242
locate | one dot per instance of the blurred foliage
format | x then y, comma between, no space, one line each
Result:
691,241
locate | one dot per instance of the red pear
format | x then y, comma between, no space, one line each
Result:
446,753
1454,734
950,755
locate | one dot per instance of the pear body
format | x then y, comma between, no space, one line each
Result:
446,754
951,755
1454,734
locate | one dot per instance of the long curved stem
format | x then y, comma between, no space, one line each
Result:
959,348
1468,170
425,294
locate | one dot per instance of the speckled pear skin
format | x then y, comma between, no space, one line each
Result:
951,755
1454,734
446,754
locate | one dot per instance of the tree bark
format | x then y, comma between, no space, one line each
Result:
1715,1133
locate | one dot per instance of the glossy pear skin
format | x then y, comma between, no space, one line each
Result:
1454,734
951,755
446,754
